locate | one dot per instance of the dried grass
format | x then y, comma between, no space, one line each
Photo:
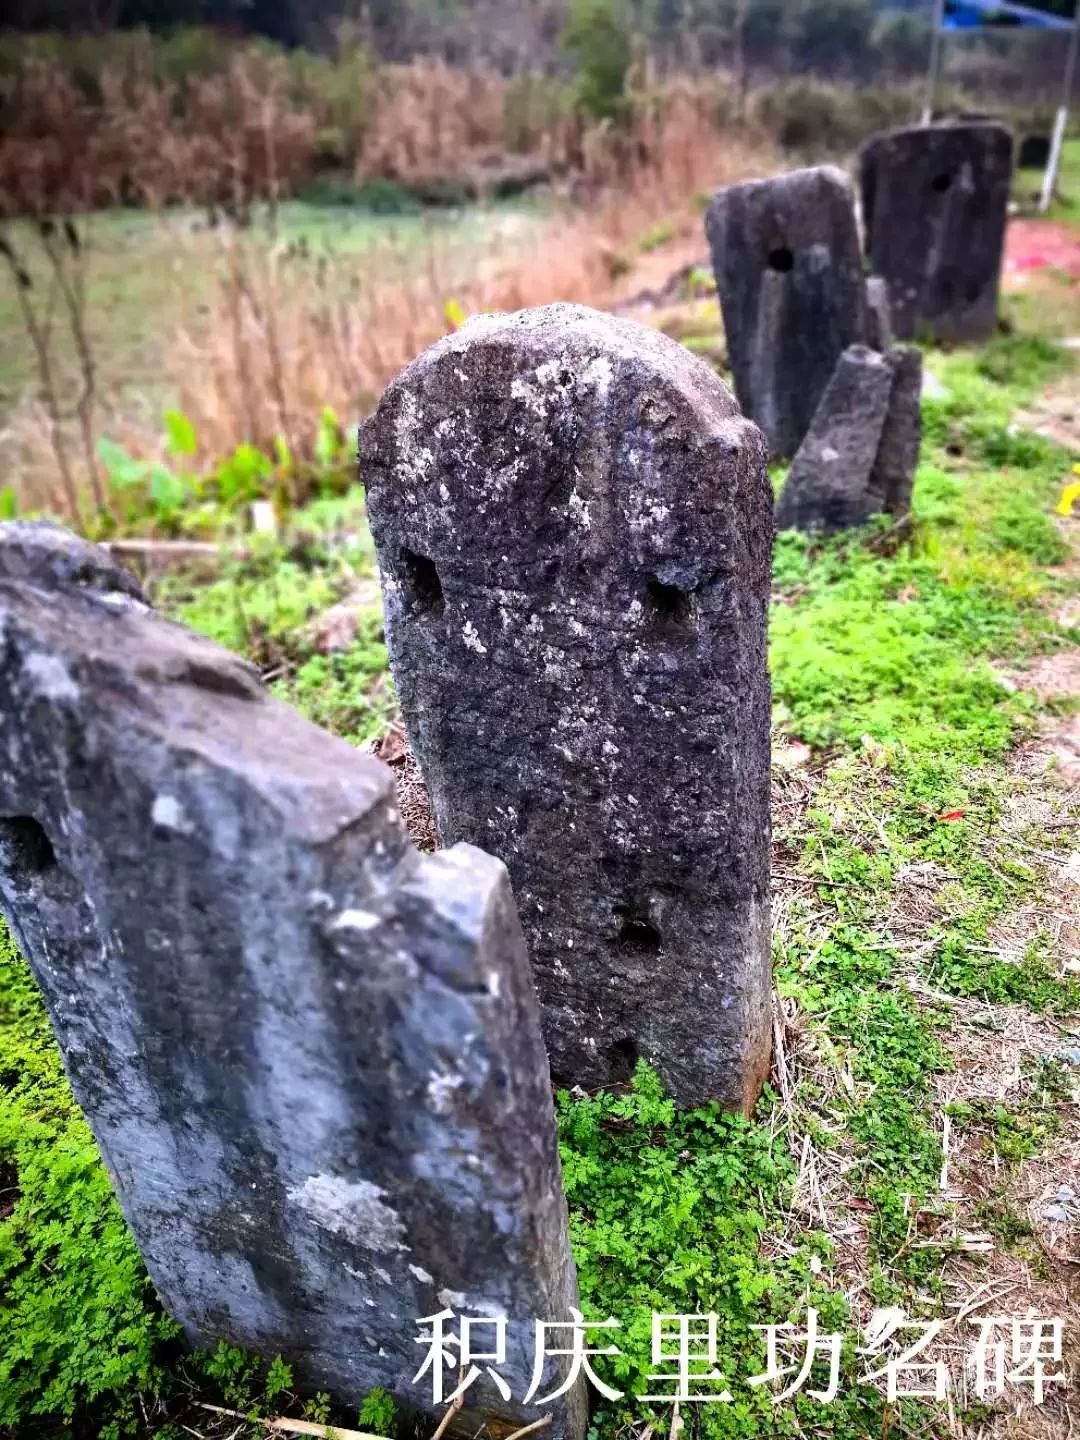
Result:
293,335
993,1050
289,332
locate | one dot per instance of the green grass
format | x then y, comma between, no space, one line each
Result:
77,1314
883,658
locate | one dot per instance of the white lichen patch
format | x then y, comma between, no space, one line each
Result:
440,1090
529,396
51,677
598,375
355,920
579,509
168,813
421,1274
354,1209
650,513
471,637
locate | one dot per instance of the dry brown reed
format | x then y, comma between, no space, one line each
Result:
289,332
242,137
292,334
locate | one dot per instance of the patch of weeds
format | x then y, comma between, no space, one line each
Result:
1018,528
82,1329
347,693
378,1414
1012,1133
656,236
1008,1228
848,983
667,1211
964,969
260,603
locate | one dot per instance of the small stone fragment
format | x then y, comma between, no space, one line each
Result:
879,335
790,280
826,488
935,204
892,479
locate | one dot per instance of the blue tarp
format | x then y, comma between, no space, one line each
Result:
978,14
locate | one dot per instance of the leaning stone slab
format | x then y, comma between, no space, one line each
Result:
892,479
935,203
827,486
573,526
789,276
311,1057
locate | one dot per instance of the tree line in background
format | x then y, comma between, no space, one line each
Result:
830,36
859,40
445,97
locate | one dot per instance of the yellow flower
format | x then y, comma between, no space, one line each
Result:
1069,496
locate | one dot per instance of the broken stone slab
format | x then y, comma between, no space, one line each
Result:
879,335
311,1057
827,486
789,275
573,526
935,204
892,478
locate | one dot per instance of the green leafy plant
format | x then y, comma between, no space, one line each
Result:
378,1414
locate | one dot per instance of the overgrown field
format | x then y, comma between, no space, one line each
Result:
920,1140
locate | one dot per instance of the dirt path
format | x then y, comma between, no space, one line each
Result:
1042,245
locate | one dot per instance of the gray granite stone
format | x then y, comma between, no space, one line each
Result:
935,203
879,335
827,485
311,1056
573,525
790,280
892,479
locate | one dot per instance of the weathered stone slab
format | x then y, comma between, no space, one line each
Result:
311,1057
893,476
573,526
935,203
827,486
790,280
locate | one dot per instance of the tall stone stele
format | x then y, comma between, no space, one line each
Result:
935,203
789,277
573,522
311,1056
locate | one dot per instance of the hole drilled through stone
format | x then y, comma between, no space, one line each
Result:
639,937
781,259
622,1060
941,183
27,844
670,609
423,586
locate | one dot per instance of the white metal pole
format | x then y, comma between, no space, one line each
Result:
1061,120
936,48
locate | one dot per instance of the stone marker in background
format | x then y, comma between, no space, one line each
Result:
827,486
790,281
573,524
892,479
879,334
935,201
311,1057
